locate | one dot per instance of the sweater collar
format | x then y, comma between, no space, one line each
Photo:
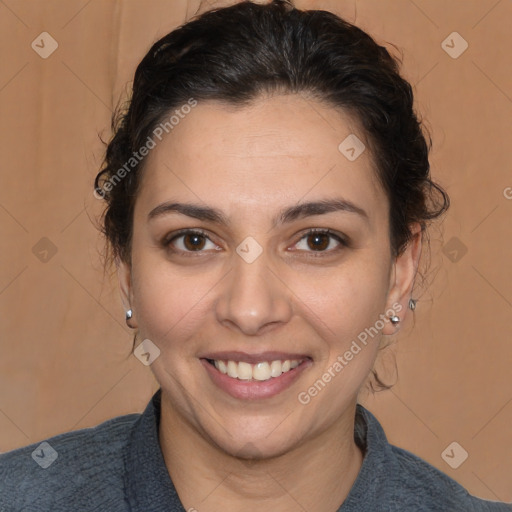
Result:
148,485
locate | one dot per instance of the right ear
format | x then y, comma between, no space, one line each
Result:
124,274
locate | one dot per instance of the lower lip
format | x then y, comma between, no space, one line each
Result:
254,389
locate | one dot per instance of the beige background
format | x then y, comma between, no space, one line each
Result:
65,359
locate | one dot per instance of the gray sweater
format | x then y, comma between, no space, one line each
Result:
118,466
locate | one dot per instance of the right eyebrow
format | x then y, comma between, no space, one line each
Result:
190,210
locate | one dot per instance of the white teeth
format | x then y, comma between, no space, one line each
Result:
232,369
244,371
276,368
260,371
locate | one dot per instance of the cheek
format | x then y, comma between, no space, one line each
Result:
170,302
344,300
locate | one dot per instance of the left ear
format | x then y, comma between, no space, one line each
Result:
124,275
403,274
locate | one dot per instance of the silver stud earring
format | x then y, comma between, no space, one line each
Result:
394,319
412,304
129,314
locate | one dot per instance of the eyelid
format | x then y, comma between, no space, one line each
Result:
185,231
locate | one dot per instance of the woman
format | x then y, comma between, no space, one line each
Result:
268,194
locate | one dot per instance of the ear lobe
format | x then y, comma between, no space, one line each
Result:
124,274
403,275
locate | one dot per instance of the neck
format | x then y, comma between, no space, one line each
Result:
316,475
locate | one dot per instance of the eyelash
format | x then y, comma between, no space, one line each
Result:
167,242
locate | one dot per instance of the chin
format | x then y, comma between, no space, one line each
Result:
256,445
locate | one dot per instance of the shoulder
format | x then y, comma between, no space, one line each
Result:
394,479
73,470
432,489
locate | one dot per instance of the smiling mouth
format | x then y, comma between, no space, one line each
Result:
262,371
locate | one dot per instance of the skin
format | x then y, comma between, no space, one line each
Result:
227,454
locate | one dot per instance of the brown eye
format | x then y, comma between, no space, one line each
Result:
193,242
189,241
320,241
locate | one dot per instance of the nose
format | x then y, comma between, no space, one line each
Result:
253,299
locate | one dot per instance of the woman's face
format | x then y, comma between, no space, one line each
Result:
252,289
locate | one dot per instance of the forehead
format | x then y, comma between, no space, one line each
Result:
278,149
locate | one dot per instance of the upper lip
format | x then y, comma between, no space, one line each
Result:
253,358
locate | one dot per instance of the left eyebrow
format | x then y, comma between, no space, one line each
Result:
287,215
321,207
